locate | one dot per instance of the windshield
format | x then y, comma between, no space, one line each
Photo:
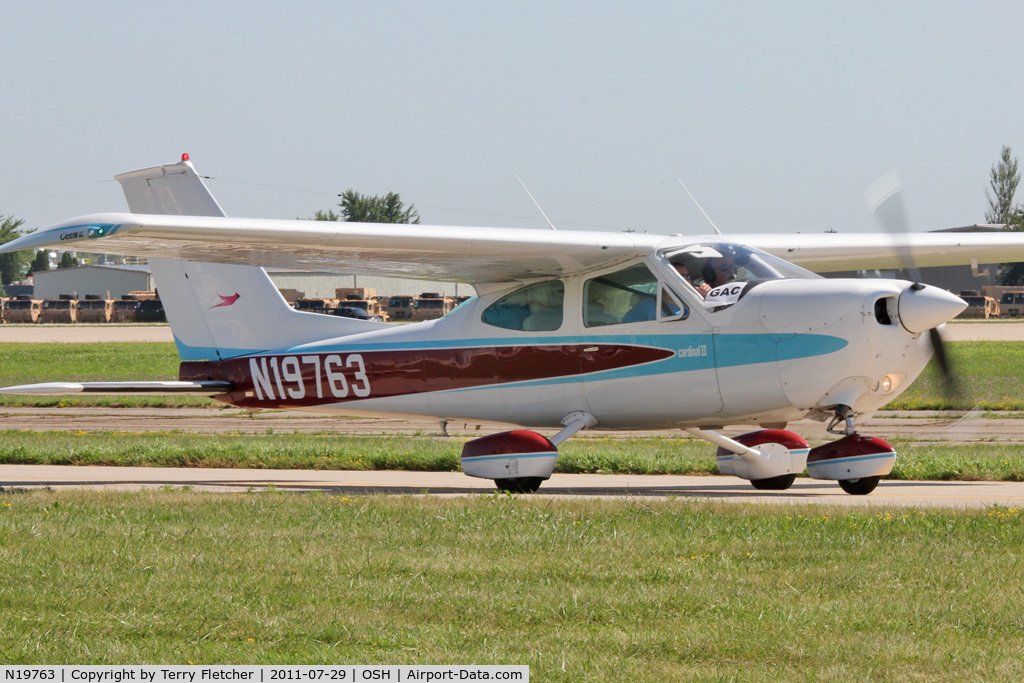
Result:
716,263
722,273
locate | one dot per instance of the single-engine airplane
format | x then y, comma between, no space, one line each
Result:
570,330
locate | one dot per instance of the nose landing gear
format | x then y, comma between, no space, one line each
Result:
857,462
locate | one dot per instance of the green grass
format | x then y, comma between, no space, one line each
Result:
657,455
577,590
991,372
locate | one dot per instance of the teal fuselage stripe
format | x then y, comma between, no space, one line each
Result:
691,352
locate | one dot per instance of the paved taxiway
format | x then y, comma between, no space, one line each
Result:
805,491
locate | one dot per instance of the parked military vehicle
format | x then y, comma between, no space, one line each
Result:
1011,304
314,305
62,310
431,305
93,309
22,309
400,307
364,298
124,310
150,311
979,306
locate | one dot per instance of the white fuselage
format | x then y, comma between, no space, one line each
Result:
787,348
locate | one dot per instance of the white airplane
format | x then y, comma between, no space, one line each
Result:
571,330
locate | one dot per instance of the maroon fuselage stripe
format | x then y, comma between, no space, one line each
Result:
396,373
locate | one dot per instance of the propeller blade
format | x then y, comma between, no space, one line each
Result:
885,198
952,389
940,351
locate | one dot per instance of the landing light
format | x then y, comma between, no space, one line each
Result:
884,385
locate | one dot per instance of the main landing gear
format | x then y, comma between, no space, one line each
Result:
519,461
771,458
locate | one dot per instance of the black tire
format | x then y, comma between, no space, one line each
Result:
519,485
859,487
780,483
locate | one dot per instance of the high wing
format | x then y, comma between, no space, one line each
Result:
175,217
479,255
428,252
832,252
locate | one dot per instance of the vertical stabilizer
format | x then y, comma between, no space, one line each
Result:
216,310
171,190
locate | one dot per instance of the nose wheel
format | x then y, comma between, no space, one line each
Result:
859,487
857,462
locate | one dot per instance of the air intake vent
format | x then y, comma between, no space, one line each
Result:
882,310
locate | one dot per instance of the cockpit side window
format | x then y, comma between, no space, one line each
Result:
534,308
627,296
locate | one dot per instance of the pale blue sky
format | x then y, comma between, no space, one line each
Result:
776,115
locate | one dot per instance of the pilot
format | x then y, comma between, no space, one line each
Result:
703,288
719,271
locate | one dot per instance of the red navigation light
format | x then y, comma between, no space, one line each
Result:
184,157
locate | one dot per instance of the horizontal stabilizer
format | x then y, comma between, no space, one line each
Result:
204,388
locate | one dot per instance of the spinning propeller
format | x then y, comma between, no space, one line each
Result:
884,196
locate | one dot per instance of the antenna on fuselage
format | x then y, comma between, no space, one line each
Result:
535,202
700,207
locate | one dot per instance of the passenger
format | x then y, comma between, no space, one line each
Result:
644,307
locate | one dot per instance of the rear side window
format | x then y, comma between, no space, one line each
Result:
534,308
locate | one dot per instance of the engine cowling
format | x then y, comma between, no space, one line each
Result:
517,454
